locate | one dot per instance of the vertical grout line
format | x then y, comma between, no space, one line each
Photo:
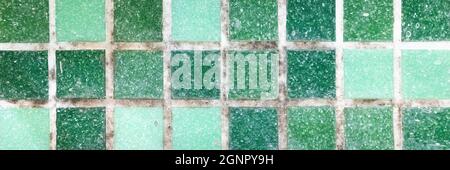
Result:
167,26
282,112
109,74
52,73
223,72
340,117
397,114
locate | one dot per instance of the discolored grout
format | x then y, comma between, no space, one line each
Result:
167,105
340,117
397,116
224,43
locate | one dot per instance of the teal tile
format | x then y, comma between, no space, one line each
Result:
425,20
253,129
311,74
195,75
138,128
311,20
80,20
138,75
23,75
196,128
253,74
24,21
137,20
426,128
253,20
368,20
426,74
24,129
369,128
311,128
80,129
368,74
80,74
196,20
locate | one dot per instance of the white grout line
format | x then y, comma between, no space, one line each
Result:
340,118
282,76
109,74
52,73
397,76
223,76
167,25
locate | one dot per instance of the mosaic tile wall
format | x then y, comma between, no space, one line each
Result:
351,74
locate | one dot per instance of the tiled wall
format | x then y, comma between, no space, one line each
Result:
352,74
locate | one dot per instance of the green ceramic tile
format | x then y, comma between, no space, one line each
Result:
24,21
196,20
195,74
138,75
24,129
311,20
311,128
368,74
196,128
426,74
23,75
368,20
311,74
426,128
80,74
138,128
253,74
80,20
253,20
425,20
80,129
253,129
137,20
369,128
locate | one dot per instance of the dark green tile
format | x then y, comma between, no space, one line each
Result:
368,20
80,74
426,128
80,129
137,20
311,74
24,21
23,75
311,128
369,128
311,20
203,70
138,75
253,129
253,20
425,20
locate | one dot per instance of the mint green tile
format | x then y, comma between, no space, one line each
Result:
138,128
311,20
426,128
195,74
252,74
253,20
137,20
80,129
23,75
138,75
369,128
196,128
368,74
80,20
80,74
425,20
24,129
368,20
196,20
24,21
426,74
311,128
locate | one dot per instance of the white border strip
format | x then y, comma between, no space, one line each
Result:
340,118
167,25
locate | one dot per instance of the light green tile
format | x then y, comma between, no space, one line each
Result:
138,128
24,129
196,128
